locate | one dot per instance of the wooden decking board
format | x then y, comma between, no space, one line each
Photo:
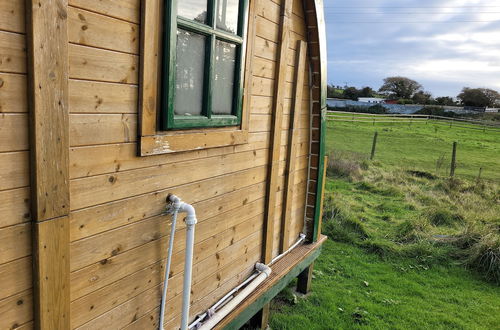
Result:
283,271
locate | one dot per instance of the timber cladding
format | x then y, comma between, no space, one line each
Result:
102,203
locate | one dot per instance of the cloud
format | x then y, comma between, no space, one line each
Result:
444,44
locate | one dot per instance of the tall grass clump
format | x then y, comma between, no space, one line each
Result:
340,224
346,164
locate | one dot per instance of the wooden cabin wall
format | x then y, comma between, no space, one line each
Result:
118,233
16,302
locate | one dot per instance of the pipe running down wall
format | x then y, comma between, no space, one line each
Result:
175,206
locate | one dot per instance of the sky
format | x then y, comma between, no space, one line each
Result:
443,44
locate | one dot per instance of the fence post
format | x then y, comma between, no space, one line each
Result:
374,145
453,160
479,174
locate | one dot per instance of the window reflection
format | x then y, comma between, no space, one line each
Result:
193,9
189,73
227,15
224,74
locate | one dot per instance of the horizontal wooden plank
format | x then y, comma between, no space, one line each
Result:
16,277
13,132
16,242
93,249
15,207
265,48
14,170
98,97
96,30
128,10
94,220
12,14
13,94
16,310
269,10
13,55
102,65
267,29
106,188
86,129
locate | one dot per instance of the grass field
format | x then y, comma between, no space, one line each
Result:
409,248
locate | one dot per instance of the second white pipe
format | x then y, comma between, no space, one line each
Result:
265,271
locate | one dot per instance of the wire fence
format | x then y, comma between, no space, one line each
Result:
409,119
470,153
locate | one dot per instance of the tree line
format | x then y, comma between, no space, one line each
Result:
408,91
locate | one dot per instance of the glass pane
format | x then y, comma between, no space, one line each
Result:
193,9
224,68
190,68
227,15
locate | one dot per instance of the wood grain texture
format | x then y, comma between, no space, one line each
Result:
150,64
274,152
128,10
292,148
16,310
48,69
48,60
12,15
91,29
13,55
13,91
52,303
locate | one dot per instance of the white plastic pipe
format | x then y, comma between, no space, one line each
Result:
167,267
265,271
181,207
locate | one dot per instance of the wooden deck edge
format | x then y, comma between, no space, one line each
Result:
283,272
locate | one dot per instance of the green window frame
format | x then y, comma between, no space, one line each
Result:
172,22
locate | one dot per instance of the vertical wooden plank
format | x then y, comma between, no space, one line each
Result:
150,46
52,297
48,59
300,65
247,87
320,217
48,69
278,103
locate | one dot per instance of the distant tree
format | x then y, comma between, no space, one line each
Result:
351,93
334,92
400,87
479,97
422,97
445,100
366,92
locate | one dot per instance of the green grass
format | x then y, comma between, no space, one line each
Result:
409,248
421,146
401,294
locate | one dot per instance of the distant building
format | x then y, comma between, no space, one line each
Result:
492,110
375,100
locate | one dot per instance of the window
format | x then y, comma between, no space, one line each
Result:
202,69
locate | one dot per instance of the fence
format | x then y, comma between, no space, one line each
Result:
342,116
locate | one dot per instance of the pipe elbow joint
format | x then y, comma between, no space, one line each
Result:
191,214
263,268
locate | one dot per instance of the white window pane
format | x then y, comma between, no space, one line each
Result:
189,73
193,9
224,69
227,15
